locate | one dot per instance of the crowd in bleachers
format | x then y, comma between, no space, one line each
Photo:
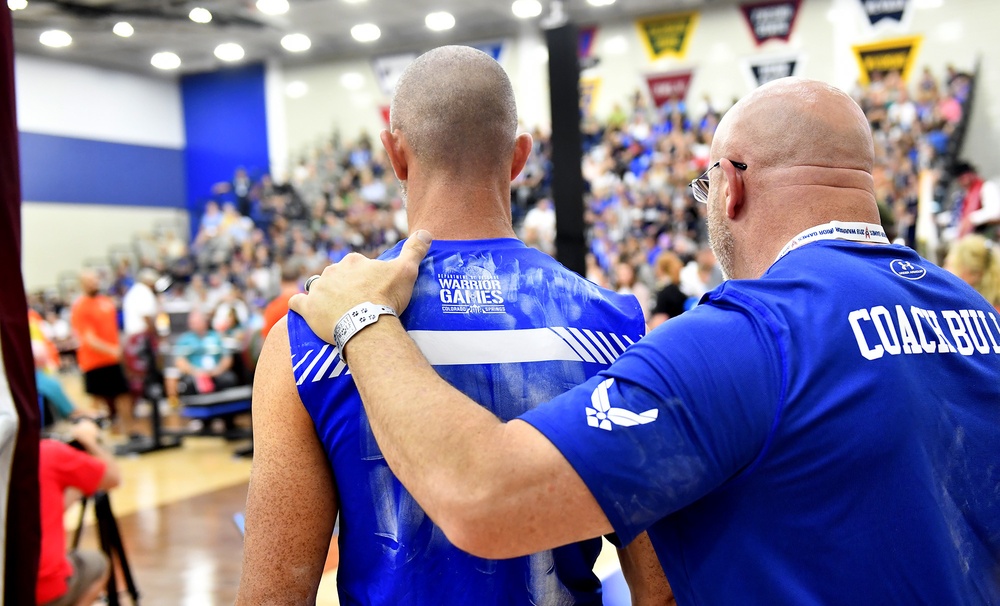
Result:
642,219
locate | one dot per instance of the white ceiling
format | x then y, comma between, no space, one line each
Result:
164,25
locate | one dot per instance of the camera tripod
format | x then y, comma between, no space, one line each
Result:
111,545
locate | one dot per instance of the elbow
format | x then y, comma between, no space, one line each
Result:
475,525
112,477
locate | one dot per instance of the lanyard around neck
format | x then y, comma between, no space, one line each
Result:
853,231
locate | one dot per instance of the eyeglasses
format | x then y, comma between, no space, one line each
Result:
699,186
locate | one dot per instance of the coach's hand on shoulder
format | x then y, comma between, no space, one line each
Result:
357,279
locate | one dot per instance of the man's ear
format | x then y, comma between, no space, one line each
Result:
732,189
522,149
395,147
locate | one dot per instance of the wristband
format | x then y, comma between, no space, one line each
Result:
355,319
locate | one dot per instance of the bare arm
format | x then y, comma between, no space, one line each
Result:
88,435
646,581
498,490
291,505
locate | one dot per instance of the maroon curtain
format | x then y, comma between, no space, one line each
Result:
23,530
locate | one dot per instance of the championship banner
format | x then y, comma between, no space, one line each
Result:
670,86
880,58
885,10
761,70
667,35
772,20
492,49
589,88
388,69
585,45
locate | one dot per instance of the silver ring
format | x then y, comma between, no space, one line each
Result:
309,282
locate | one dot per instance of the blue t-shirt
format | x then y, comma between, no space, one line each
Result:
510,328
827,434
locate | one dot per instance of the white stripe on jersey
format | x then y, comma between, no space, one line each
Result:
463,347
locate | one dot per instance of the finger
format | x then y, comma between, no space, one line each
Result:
416,247
297,302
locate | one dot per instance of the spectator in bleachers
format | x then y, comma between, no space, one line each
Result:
670,301
977,208
204,362
976,261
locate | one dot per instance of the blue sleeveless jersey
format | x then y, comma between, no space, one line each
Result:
510,328
827,434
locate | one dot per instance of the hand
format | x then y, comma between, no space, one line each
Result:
85,432
356,280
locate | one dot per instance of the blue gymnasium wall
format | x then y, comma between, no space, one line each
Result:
83,171
225,125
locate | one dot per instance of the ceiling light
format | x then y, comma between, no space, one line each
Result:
123,29
296,89
17,5
165,60
272,7
526,9
229,51
439,21
200,15
366,32
56,38
352,80
600,2
296,43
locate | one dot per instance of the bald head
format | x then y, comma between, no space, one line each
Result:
796,122
89,282
455,106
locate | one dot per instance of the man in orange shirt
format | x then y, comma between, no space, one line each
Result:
94,319
291,272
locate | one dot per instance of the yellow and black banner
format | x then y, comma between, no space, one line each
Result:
589,88
667,35
883,57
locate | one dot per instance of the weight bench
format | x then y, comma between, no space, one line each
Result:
225,405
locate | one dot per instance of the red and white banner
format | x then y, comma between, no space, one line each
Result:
672,86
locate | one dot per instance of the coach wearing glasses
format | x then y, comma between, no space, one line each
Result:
823,429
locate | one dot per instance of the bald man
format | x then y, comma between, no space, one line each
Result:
506,324
823,429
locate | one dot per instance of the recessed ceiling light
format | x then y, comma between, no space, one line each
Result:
56,38
296,89
165,60
200,15
272,7
366,32
17,5
296,43
352,80
439,21
123,29
526,9
229,51
600,2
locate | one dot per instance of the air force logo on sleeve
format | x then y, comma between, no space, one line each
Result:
605,416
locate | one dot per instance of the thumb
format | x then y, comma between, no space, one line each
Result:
416,247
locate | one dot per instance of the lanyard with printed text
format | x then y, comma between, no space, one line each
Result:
837,230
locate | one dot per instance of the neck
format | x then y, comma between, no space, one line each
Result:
794,209
456,208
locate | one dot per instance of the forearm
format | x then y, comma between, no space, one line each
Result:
394,390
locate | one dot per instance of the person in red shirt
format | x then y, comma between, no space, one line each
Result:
94,319
64,472
291,273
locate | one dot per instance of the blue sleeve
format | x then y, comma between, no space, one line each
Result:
52,390
683,410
